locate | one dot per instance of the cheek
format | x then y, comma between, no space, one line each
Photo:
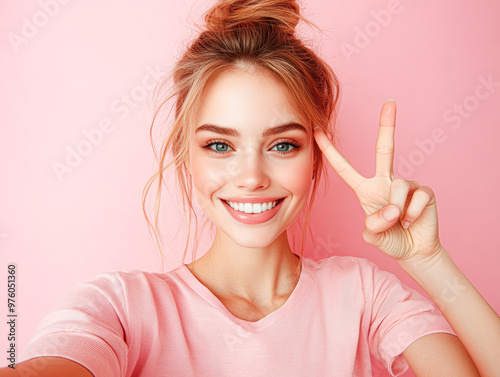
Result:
297,175
208,174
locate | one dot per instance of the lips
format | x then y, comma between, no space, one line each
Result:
254,218
253,199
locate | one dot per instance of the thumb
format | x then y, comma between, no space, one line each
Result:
379,221
389,213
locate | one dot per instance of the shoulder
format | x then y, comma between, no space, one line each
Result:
342,265
118,287
132,278
353,272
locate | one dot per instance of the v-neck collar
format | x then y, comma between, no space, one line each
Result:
297,293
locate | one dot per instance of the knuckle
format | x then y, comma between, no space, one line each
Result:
366,235
369,222
383,149
424,192
340,166
400,183
426,188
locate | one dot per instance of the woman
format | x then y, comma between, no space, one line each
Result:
253,111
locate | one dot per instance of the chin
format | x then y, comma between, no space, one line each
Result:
252,238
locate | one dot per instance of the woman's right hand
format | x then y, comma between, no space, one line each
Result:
47,366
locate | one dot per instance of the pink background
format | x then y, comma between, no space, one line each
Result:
67,68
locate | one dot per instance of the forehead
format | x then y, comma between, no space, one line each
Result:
245,97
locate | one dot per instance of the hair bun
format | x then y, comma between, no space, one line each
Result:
236,14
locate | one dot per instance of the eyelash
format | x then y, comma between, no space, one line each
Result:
294,144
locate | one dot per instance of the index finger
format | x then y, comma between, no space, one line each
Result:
338,162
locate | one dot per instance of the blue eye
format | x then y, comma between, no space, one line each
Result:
290,147
285,145
221,147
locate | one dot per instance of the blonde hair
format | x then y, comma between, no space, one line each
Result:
243,33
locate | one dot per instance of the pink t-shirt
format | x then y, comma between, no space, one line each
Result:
342,311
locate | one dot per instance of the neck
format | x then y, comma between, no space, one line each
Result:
258,275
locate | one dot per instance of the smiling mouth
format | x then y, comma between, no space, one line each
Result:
252,208
253,214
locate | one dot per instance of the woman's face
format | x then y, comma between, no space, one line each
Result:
238,153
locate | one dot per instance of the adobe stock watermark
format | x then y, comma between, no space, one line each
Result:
455,116
419,325
236,338
452,290
92,138
326,248
31,26
363,36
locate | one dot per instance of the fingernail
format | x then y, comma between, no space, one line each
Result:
390,213
391,100
315,128
406,224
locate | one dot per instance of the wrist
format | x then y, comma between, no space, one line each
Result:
438,275
420,262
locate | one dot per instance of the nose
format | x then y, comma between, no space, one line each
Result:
250,172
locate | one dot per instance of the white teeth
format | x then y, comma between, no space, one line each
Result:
252,207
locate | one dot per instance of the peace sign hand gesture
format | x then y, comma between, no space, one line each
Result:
401,216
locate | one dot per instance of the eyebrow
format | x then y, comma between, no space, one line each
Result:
267,132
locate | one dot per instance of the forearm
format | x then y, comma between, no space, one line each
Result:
471,317
46,366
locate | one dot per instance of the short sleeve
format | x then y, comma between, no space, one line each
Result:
399,315
86,327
